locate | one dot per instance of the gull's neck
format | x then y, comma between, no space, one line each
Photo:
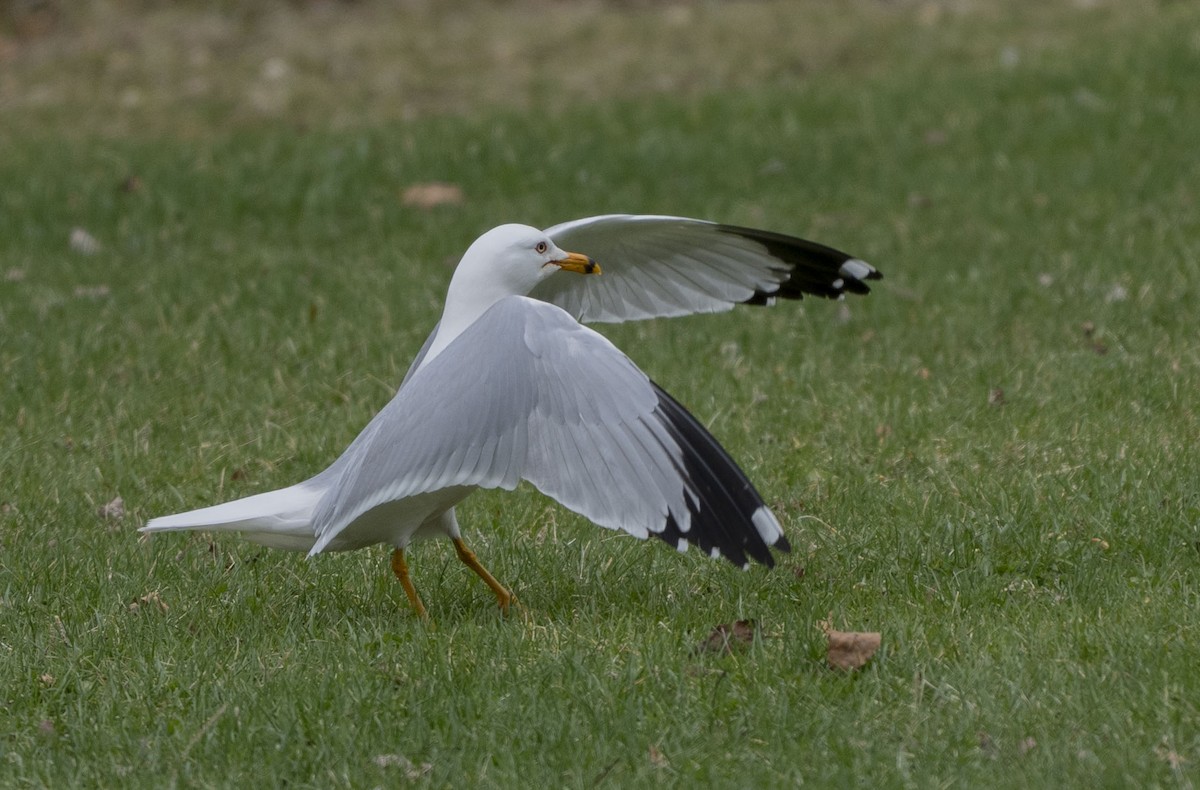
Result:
467,299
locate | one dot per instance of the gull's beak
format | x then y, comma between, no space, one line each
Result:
580,264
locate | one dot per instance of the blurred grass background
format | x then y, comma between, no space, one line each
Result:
212,274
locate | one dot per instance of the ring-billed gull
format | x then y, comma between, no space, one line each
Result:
509,386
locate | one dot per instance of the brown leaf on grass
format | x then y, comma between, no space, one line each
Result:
725,637
851,649
996,397
149,600
432,194
657,758
47,679
113,510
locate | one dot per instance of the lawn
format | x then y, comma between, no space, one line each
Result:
210,279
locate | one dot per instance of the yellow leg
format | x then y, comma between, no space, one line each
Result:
503,596
400,568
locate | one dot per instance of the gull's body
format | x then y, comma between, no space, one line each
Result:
509,387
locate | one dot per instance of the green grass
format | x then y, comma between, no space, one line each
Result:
1033,563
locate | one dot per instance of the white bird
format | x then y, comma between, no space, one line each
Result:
509,386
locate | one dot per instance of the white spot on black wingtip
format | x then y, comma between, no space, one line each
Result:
806,267
857,269
681,545
767,525
715,553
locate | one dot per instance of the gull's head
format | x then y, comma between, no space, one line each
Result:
514,258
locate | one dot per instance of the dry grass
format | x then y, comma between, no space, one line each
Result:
122,68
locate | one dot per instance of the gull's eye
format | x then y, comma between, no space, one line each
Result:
542,247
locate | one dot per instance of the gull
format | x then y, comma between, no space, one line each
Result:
510,386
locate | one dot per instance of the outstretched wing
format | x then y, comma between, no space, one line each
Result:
668,266
528,393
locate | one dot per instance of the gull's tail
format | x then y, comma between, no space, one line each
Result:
281,519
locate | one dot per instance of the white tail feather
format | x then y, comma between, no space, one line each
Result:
280,519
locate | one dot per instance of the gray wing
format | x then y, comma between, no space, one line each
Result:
528,393
668,266
416,363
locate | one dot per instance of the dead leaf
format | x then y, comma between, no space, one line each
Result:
432,194
83,242
725,637
924,374
657,758
996,397
150,599
47,679
851,649
1027,745
113,510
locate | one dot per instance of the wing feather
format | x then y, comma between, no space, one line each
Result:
657,266
528,393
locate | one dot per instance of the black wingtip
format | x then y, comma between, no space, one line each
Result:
811,268
726,516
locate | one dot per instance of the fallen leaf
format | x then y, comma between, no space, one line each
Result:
113,510
1027,745
83,242
726,636
47,679
924,374
996,397
657,758
150,599
851,649
432,194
